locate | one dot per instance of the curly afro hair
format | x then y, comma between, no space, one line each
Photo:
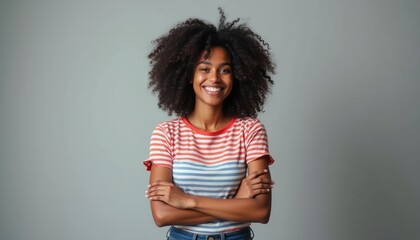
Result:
176,53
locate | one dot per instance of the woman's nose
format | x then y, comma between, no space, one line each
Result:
214,76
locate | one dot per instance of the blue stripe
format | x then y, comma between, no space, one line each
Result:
210,174
207,192
192,185
206,180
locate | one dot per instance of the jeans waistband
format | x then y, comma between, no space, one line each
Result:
243,234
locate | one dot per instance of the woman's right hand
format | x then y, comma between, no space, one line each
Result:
254,184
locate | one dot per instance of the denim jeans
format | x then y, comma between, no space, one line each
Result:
179,234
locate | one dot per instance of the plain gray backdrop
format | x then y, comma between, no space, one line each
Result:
76,116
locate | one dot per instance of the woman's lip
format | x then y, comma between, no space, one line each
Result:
213,90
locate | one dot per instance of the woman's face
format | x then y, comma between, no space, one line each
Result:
213,78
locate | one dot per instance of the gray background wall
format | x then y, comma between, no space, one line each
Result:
76,116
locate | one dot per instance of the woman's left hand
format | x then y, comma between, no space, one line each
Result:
255,184
169,193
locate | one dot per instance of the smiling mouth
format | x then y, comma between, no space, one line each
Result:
213,89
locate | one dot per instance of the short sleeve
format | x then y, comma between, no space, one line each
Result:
257,143
160,149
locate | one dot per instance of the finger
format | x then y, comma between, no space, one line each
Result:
261,186
160,183
152,187
260,180
156,193
158,189
260,191
156,198
256,174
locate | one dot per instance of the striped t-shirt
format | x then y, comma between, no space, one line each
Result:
209,164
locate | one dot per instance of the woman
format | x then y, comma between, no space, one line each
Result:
209,166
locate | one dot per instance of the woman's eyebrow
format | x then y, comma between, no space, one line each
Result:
209,63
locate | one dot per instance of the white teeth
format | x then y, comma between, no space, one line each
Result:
212,89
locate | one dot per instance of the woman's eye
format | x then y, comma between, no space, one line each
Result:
225,70
206,70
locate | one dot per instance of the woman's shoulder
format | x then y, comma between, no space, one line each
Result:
169,125
249,124
170,122
248,121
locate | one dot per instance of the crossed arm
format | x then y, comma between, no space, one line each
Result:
170,205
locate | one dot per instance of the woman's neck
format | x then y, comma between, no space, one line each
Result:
208,120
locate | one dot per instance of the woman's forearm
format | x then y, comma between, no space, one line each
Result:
164,215
239,210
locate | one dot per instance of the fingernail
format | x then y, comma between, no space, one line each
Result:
265,170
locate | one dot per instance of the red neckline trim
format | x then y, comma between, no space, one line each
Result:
197,130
